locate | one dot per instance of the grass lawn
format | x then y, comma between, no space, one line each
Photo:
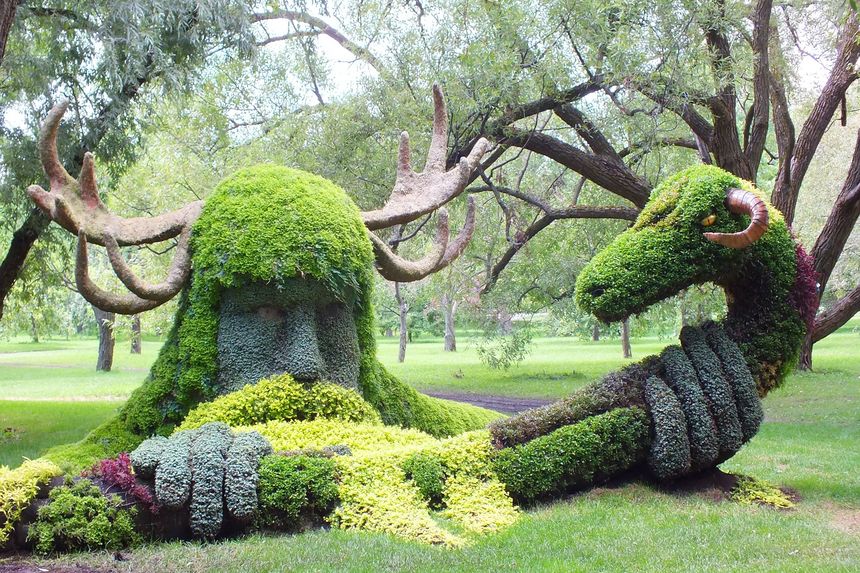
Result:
809,442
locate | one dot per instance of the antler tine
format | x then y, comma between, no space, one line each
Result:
179,271
437,154
55,171
75,205
109,302
458,245
395,268
416,194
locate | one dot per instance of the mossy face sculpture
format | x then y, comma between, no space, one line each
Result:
274,276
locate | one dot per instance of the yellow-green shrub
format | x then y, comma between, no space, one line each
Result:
375,493
316,434
19,487
480,506
282,398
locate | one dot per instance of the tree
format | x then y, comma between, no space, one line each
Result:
101,57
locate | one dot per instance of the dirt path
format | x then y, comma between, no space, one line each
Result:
504,404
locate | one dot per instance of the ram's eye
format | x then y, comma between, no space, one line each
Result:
709,220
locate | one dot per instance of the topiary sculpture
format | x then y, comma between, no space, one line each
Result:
273,274
702,397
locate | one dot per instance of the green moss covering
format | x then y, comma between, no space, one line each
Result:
574,456
666,251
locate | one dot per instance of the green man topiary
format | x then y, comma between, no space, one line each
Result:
274,275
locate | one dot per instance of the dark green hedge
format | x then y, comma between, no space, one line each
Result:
428,474
574,456
680,375
739,377
669,456
718,392
294,490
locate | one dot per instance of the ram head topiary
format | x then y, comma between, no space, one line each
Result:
702,397
274,275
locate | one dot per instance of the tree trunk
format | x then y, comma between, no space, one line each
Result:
19,248
404,334
595,333
105,322
34,329
450,308
135,334
7,16
389,332
625,338
805,361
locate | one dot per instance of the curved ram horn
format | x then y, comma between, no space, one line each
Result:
179,271
109,302
743,202
395,268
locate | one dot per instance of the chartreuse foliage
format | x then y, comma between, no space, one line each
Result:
282,398
377,483
18,488
79,517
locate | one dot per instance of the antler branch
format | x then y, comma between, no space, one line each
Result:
75,205
416,194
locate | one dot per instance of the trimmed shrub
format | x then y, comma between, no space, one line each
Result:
282,398
294,489
144,459
617,389
426,471
172,475
669,456
240,479
207,461
718,392
18,488
701,431
739,377
575,455
80,517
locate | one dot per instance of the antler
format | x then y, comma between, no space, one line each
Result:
75,205
416,194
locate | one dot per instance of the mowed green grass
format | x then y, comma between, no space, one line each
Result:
809,442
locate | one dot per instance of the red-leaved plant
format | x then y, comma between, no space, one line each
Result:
117,472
